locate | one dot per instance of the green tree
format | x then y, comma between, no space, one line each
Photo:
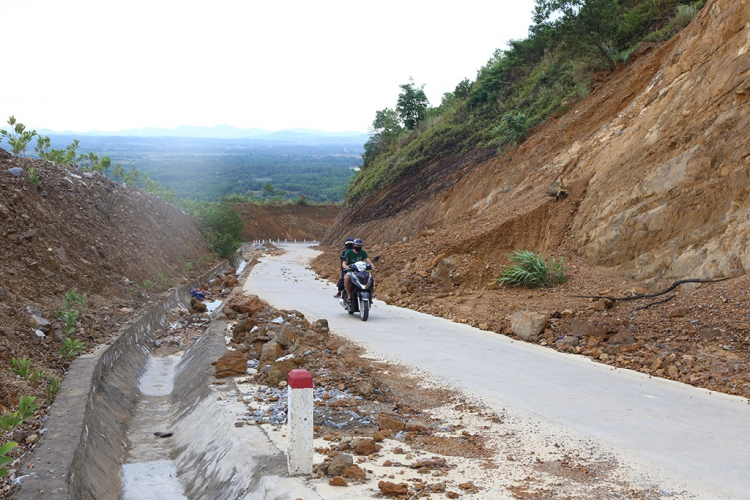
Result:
62,156
463,89
593,22
461,92
222,227
385,130
132,176
18,137
412,104
42,146
118,172
512,129
91,161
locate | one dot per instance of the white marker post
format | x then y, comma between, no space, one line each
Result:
299,450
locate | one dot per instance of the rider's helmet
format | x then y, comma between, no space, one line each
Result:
358,244
349,242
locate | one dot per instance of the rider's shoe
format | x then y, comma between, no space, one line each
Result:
338,295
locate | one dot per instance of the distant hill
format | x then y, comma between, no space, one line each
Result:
299,136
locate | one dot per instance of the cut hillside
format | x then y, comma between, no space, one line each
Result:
79,230
655,164
297,221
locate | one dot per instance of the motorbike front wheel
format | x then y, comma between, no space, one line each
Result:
364,309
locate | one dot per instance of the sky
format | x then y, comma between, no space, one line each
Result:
84,65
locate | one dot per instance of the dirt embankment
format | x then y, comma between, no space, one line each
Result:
290,222
654,163
79,230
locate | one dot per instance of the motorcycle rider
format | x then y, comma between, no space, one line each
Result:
348,245
356,254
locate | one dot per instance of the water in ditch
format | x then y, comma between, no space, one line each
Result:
148,473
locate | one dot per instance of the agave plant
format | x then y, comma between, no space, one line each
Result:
532,270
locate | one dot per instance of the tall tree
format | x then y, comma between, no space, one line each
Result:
412,104
587,21
386,127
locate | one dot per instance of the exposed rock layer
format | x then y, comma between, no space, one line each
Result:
656,162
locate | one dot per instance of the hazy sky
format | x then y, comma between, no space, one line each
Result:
275,64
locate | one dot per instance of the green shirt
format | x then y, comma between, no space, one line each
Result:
351,256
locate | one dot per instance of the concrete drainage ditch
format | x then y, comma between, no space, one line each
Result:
100,440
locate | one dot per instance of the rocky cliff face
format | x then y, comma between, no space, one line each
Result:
669,186
656,162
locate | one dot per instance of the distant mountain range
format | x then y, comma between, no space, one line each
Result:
224,132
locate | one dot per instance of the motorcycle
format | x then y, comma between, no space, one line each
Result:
361,285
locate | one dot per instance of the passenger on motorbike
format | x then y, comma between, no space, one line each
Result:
356,254
348,245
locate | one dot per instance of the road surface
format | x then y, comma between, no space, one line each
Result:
683,438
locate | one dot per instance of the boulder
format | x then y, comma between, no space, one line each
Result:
392,489
388,422
334,343
567,342
279,371
337,481
580,328
231,282
528,324
320,326
197,306
250,306
40,323
231,364
444,271
366,447
271,352
283,336
355,472
243,326
622,337
339,464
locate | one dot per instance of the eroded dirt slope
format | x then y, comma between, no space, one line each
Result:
655,163
291,222
79,230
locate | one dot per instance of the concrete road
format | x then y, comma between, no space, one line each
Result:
679,437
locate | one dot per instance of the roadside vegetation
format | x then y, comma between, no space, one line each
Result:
221,224
531,270
517,89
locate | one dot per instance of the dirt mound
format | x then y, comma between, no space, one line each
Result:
290,222
80,230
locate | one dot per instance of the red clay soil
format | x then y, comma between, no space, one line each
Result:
291,222
654,166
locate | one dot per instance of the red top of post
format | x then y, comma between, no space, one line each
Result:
300,379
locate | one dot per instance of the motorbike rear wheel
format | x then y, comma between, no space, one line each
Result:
364,309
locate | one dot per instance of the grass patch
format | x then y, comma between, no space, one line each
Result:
532,270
